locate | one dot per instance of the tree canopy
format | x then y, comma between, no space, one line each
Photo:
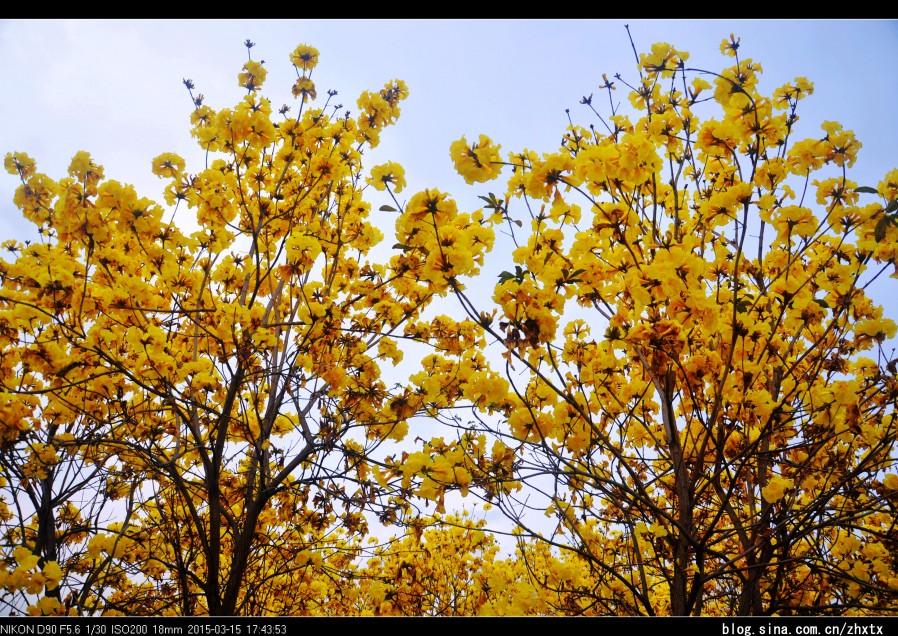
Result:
679,388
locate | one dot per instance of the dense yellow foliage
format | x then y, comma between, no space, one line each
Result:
691,388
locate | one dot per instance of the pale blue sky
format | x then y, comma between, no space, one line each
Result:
114,88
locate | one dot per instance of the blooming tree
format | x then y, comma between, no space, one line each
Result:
682,368
701,394
221,390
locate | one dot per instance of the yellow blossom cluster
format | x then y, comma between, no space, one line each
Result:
685,338
681,364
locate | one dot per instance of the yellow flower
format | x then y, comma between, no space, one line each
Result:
304,57
786,94
888,187
729,46
389,172
878,329
803,87
664,59
82,167
546,174
841,146
253,75
168,165
304,87
19,163
52,574
25,558
477,162
776,488
46,605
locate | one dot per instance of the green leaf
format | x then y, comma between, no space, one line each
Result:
822,303
892,206
879,233
866,189
518,223
400,246
388,208
492,202
504,276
